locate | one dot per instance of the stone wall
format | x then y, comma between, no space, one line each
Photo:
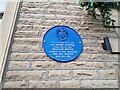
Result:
30,67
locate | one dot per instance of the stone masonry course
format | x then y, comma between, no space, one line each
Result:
30,67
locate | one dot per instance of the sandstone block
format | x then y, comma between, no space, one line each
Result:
95,50
62,12
53,23
39,28
27,40
67,17
18,65
72,24
108,74
25,47
59,74
77,13
104,57
73,8
50,17
63,2
15,84
45,64
89,42
60,7
28,56
85,74
29,21
26,34
111,65
84,56
22,27
26,75
70,84
100,83
42,84
83,65
98,35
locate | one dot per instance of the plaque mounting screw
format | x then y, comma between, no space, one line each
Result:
79,42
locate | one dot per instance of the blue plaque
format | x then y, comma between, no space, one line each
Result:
62,43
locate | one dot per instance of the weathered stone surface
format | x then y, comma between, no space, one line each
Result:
85,74
45,64
99,83
15,84
53,23
25,47
30,21
72,23
59,74
84,56
98,30
83,65
108,74
18,65
95,35
111,65
28,56
89,42
70,84
21,27
27,34
25,75
60,7
56,21
27,40
95,67
104,57
40,27
95,50
85,50
73,8
46,3
42,84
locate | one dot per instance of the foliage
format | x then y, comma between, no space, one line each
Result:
105,8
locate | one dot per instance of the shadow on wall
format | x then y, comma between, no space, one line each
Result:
1,15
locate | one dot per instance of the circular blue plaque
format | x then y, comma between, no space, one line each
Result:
62,43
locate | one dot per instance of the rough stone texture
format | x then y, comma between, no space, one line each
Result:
113,65
60,74
27,40
83,65
104,57
18,65
84,56
30,67
70,84
27,33
26,47
107,74
85,74
15,84
45,64
27,56
42,84
100,84
25,75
